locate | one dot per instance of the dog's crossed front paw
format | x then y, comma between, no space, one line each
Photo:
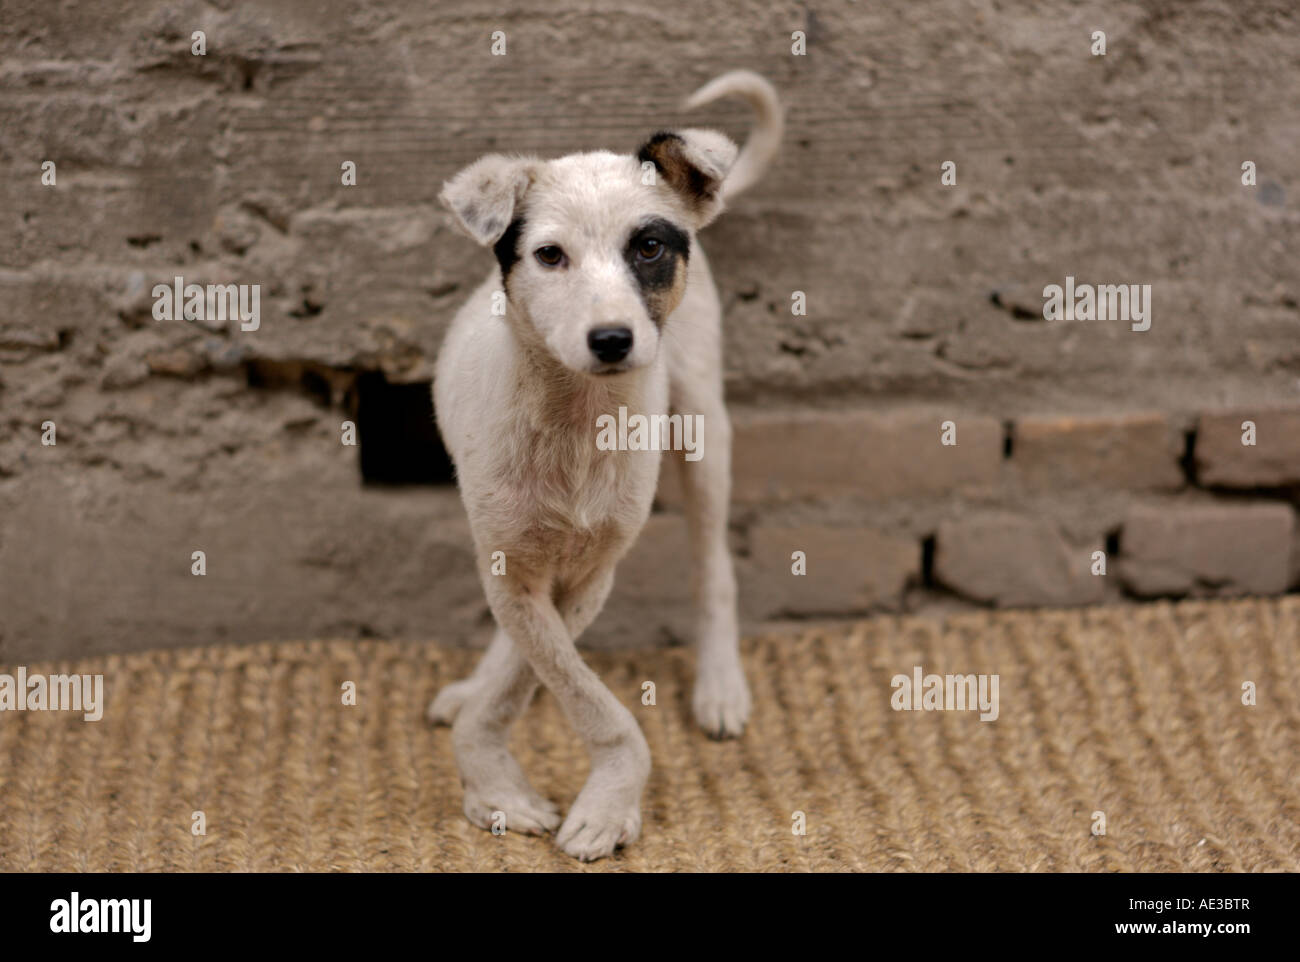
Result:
607,812
595,830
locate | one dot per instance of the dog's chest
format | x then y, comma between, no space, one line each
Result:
560,479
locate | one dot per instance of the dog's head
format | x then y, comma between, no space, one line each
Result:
594,247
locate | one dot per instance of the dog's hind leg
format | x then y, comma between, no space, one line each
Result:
721,700
494,696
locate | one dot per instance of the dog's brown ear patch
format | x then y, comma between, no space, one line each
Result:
694,164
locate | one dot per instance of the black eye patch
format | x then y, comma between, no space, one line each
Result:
657,274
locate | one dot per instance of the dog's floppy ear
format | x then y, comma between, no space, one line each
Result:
483,197
693,163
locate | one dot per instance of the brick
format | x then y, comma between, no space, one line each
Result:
1139,451
20,338
1009,560
850,570
827,454
1207,549
123,371
109,570
1272,461
177,362
38,305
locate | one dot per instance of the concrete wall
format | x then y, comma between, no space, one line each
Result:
924,302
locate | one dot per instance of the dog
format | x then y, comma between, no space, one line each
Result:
608,304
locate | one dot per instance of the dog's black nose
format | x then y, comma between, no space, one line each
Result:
610,344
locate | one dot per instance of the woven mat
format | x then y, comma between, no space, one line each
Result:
1131,711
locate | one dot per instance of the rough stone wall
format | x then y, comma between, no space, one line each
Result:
924,303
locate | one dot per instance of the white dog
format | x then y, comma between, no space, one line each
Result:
609,303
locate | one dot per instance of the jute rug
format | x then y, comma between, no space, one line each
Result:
1133,712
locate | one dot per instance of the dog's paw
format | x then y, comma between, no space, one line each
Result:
595,831
514,808
446,704
721,702
607,812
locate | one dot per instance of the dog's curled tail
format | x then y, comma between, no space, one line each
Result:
764,139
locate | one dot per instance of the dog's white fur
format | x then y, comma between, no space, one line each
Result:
517,401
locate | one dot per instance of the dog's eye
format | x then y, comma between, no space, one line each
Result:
550,255
649,249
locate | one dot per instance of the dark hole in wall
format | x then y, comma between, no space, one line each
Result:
927,562
1188,460
396,433
312,379
317,386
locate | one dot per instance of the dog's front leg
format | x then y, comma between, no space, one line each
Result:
607,812
497,694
